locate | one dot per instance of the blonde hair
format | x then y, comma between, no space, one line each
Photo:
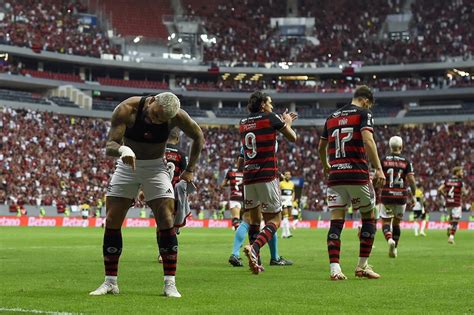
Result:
395,142
457,169
169,102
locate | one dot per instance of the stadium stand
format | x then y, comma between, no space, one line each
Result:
138,17
63,101
52,25
52,76
21,96
134,83
78,169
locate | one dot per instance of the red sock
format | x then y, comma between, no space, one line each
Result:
264,236
168,243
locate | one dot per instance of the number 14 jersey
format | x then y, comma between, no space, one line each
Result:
346,152
258,135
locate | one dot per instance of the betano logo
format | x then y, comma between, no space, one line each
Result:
33,221
6,221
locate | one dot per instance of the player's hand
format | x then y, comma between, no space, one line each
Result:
129,160
294,116
287,117
379,179
413,201
326,169
187,176
127,156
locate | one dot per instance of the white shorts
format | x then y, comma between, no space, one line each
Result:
362,197
295,212
152,175
235,204
455,212
287,201
266,195
390,211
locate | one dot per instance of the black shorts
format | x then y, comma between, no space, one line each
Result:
419,214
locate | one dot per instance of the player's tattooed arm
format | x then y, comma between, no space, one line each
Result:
193,131
117,130
441,190
371,149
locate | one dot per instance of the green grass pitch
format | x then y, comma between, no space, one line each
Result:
53,270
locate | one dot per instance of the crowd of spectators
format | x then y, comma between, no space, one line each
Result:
345,31
40,165
52,25
327,85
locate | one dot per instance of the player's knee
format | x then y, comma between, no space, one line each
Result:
396,221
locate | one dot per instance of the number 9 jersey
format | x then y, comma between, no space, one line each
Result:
346,152
258,134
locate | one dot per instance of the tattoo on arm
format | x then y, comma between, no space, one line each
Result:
192,130
117,130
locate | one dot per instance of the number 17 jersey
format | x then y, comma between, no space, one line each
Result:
258,135
346,152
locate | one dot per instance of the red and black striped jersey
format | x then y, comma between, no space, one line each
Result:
396,168
258,135
453,190
236,180
346,152
179,160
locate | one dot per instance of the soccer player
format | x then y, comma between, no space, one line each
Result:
346,142
242,231
287,188
399,172
234,178
139,131
261,188
452,191
419,213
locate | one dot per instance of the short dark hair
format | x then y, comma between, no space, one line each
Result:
365,92
255,102
174,134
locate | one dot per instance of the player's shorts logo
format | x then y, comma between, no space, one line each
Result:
355,201
332,198
264,206
248,202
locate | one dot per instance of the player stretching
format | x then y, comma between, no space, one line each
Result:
397,170
347,140
419,213
287,196
234,178
139,130
452,190
261,188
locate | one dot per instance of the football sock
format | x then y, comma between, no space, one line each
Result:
235,223
367,235
254,229
396,234
168,244
416,227
111,250
239,237
334,240
273,245
387,231
423,226
264,236
454,227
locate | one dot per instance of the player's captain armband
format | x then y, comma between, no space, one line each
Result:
126,151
